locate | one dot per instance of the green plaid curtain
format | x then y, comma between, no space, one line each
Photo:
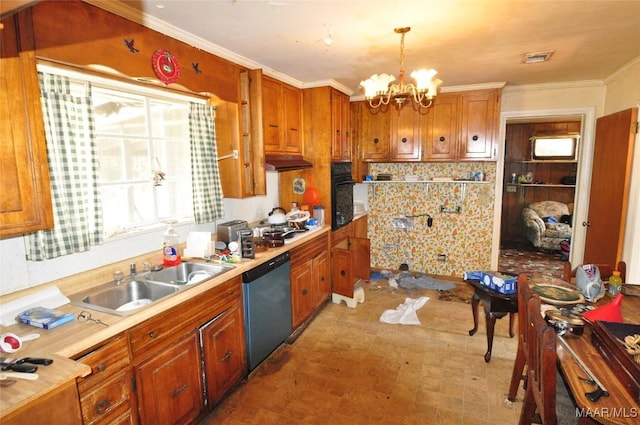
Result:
207,189
73,169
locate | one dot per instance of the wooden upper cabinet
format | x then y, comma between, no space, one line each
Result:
292,100
281,117
440,128
375,129
272,114
478,126
340,127
405,135
25,201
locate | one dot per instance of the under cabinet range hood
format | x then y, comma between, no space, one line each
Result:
286,163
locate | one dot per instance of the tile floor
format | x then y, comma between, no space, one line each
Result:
348,368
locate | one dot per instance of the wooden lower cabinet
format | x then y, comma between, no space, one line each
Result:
350,259
170,384
224,353
168,359
310,282
106,395
60,407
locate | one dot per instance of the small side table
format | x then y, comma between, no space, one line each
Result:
496,306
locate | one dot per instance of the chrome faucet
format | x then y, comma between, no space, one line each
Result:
132,269
117,277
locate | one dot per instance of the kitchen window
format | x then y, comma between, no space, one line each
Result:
144,159
143,149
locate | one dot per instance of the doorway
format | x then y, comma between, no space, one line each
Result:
529,257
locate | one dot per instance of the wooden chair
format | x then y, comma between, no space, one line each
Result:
605,271
540,395
519,373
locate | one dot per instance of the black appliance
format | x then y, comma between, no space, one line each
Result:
341,194
267,307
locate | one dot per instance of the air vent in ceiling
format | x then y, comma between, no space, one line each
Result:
537,57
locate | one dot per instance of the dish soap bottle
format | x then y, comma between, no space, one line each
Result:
170,256
615,282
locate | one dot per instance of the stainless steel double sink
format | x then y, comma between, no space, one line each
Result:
135,292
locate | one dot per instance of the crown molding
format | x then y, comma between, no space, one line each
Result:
622,70
555,86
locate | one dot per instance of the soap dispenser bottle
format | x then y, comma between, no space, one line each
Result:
170,256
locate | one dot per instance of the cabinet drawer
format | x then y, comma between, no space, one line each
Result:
309,250
161,330
119,416
102,400
108,359
341,234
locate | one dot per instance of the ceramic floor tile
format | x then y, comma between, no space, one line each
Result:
349,368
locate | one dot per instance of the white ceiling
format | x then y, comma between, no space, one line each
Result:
469,42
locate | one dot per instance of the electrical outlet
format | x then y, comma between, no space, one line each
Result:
442,257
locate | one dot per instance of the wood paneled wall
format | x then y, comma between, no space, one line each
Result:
79,34
518,150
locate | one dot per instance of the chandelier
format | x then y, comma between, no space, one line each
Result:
379,91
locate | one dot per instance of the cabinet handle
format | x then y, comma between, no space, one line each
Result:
177,391
376,140
226,356
474,138
304,291
102,406
343,273
404,140
321,278
153,335
102,367
441,138
273,125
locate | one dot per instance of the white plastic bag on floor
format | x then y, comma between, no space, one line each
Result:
405,314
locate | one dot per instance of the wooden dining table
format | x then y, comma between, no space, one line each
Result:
619,407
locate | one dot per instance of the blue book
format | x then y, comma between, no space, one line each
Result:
45,318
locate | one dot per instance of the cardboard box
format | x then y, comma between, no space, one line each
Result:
505,284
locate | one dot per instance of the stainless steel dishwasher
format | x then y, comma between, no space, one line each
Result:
267,307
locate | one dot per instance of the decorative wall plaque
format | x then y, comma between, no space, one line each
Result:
166,66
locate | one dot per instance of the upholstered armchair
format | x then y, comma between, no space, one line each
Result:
548,223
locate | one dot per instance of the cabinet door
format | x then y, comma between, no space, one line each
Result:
405,135
340,122
302,293
170,384
26,207
342,270
292,100
479,111
374,134
321,278
224,353
59,407
441,121
292,103
361,250
272,115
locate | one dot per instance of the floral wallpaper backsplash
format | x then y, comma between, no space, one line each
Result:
462,215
